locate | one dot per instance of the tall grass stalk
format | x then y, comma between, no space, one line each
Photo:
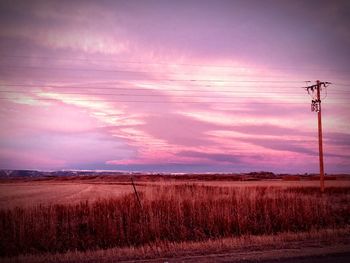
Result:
168,214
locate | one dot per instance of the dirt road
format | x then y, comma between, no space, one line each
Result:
331,254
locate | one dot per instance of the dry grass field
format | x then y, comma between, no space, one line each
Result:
30,193
26,194
52,216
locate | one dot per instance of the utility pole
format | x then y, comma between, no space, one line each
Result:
315,92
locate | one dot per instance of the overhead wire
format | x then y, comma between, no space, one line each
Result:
7,67
271,82
294,95
342,84
150,101
219,90
164,79
171,75
162,63
152,85
148,72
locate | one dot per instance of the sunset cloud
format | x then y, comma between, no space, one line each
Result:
168,86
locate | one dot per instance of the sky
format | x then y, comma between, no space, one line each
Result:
173,86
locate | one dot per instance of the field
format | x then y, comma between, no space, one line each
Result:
44,217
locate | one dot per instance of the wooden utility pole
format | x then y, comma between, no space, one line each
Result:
316,106
320,142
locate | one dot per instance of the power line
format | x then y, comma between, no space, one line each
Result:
141,89
165,79
166,90
78,86
125,94
295,95
161,63
122,71
342,84
150,101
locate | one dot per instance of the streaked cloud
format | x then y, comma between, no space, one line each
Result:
165,86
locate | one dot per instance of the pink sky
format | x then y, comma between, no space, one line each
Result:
173,86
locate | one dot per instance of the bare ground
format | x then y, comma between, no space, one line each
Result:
331,254
332,245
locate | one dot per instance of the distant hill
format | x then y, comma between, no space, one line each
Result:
118,175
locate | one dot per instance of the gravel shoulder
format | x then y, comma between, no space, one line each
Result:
336,254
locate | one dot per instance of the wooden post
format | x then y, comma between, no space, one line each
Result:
320,143
136,193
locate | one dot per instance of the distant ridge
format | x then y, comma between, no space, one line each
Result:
261,175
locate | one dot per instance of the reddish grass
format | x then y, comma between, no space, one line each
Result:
170,214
